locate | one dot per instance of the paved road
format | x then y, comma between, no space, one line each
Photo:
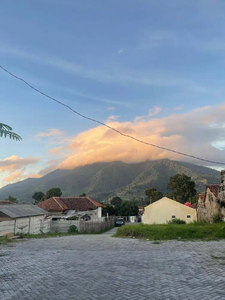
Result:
102,267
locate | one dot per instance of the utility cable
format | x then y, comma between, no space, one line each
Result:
110,127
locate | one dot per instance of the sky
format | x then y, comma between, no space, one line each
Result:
151,69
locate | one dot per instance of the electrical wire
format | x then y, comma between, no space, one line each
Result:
110,127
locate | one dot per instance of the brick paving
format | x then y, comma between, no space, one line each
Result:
101,267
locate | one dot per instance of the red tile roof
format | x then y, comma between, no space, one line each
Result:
3,202
59,204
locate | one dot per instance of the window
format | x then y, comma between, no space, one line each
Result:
173,217
188,216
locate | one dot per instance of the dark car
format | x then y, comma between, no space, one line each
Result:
119,222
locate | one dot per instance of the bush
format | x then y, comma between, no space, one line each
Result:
73,229
176,221
217,218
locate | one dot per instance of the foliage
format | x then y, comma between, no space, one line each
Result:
73,229
192,231
37,196
153,195
12,199
183,188
217,218
176,221
6,131
54,192
126,209
116,200
83,195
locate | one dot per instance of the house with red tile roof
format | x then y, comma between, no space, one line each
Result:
83,207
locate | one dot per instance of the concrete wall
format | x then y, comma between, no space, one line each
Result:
63,225
94,226
163,210
31,225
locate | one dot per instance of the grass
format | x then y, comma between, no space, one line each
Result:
194,231
55,234
5,241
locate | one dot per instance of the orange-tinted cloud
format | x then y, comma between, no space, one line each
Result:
55,151
14,163
14,176
193,133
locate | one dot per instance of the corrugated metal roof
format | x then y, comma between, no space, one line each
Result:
22,210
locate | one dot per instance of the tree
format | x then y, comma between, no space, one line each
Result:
54,192
6,131
126,209
153,195
83,195
37,196
182,187
12,199
116,201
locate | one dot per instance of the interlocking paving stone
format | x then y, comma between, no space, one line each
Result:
101,267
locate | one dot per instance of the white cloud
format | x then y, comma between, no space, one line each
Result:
50,133
112,119
179,107
111,108
152,112
120,51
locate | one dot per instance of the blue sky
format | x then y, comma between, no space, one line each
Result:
118,58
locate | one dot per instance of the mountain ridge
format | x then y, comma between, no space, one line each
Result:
103,180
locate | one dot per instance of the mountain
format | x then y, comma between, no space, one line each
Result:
103,180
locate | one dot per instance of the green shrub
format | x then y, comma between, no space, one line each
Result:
217,218
73,229
176,221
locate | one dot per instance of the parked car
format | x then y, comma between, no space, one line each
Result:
119,222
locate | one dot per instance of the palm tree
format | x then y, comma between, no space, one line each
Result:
6,131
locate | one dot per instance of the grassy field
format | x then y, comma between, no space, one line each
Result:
195,231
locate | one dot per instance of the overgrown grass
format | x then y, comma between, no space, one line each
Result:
46,235
5,240
194,231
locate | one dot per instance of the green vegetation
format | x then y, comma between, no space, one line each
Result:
116,200
45,235
104,180
153,195
125,209
176,221
5,240
183,188
73,229
37,196
6,131
53,192
193,231
12,199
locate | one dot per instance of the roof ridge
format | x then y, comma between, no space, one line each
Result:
59,203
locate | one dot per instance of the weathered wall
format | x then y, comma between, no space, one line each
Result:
206,210
163,210
31,225
7,226
63,225
96,226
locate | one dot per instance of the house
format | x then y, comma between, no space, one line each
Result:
23,218
165,209
80,207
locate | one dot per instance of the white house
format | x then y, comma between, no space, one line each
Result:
165,209
23,218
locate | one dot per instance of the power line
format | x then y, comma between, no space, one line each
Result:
103,124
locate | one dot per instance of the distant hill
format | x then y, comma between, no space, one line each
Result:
103,180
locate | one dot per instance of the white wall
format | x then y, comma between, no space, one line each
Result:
32,225
63,225
7,226
99,212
